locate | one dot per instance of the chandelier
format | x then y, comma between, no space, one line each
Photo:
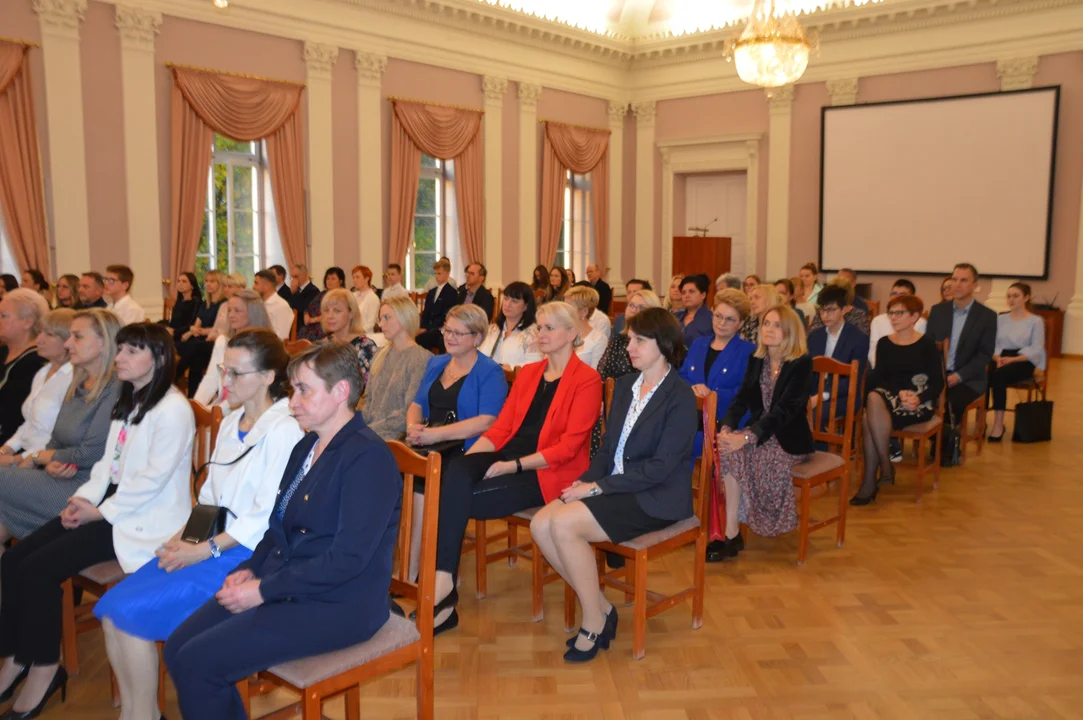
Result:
773,49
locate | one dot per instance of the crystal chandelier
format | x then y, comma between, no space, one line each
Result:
773,49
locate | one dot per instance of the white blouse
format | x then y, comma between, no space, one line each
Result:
592,349
40,409
210,390
370,309
600,322
518,349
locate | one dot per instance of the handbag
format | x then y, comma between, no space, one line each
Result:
207,521
444,447
1033,422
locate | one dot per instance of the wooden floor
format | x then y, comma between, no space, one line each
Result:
969,605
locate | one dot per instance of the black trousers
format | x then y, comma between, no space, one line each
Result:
31,573
958,398
1000,378
465,494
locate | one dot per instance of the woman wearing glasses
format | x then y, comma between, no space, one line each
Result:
244,310
903,387
396,370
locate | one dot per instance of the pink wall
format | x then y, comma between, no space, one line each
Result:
345,163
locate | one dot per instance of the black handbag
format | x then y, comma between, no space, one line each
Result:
1033,422
207,521
444,447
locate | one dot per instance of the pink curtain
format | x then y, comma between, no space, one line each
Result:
22,188
581,150
244,109
446,134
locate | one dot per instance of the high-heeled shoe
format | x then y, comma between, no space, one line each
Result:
452,598
575,655
856,501
10,692
996,438
59,682
450,622
610,629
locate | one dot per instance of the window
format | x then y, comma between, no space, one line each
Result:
576,247
7,257
240,230
435,222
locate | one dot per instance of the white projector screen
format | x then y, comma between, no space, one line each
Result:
917,186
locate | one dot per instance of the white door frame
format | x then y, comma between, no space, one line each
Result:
719,153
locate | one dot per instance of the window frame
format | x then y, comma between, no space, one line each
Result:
572,251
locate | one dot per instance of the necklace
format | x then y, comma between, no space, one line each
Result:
452,377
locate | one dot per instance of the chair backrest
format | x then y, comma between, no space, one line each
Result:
830,374
419,299
208,420
510,374
293,327
702,480
167,308
607,401
1050,350
294,347
411,465
874,308
499,297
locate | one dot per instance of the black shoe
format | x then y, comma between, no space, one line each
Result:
610,629
735,544
996,438
451,599
716,551
450,623
395,608
10,692
895,450
614,561
60,682
858,501
601,642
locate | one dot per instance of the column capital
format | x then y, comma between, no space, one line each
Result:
319,59
370,66
138,27
529,94
617,112
843,91
780,98
1017,73
645,113
61,16
494,89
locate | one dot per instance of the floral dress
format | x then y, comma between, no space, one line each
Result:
366,350
767,504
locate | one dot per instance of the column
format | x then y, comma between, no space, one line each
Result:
494,88
1073,318
319,59
613,273
528,179
138,29
370,70
645,239
778,180
70,223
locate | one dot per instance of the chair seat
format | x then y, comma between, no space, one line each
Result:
920,428
105,573
527,514
818,463
397,632
660,536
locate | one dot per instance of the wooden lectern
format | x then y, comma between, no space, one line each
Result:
693,255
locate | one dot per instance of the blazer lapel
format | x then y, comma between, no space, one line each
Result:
618,412
783,378
658,400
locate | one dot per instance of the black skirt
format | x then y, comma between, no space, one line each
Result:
621,517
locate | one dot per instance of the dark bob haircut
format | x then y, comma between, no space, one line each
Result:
702,282
268,354
519,291
159,340
338,272
660,325
911,303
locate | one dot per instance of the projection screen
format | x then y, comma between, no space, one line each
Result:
916,186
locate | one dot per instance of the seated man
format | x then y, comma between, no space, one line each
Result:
605,293
393,283
474,292
630,288
440,299
118,283
279,311
859,302
840,341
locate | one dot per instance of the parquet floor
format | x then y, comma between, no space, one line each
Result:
967,606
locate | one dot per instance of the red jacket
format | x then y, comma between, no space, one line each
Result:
565,435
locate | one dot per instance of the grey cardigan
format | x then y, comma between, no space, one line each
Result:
391,390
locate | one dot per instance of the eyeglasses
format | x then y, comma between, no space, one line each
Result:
448,332
828,309
636,306
231,375
725,319
896,313
110,281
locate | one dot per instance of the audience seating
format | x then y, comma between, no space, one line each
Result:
399,642
980,407
1037,385
419,299
293,327
874,308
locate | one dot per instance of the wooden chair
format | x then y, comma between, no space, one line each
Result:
1037,385
980,409
499,298
632,579
399,642
167,308
295,347
874,308
419,299
208,421
824,467
293,327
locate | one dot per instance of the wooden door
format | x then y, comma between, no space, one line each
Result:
707,255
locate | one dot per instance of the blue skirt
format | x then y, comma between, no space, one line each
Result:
151,603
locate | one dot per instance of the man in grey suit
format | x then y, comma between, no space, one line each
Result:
971,331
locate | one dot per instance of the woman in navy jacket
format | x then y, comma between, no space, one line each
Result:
318,581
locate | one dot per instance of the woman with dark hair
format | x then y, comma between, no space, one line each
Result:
197,341
810,283
540,283
512,341
251,452
34,279
186,306
639,482
138,493
67,291
786,295
558,284
318,580
311,328
947,293
694,317
8,283
1019,351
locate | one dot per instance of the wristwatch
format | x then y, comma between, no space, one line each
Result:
216,552
594,491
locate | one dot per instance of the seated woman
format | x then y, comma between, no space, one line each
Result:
538,446
67,291
21,311
368,302
36,490
695,319
903,389
310,327
245,310
785,289
319,578
46,392
947,291
640,481
137,494
810,283
186,306
1019,351
760,300
674,301
558,284
341,318
197,340
252,449
512,341
541,280
396,370
585,301
755,463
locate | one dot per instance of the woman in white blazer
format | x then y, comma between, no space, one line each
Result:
512,341
243,475
137,495
244,310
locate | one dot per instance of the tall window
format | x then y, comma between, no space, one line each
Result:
435,222
7,257
576,247
240,230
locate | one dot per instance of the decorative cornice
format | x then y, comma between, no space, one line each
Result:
62,16
842,92
138,28
370,66
1017,73
780,98
319,59
645,113
494,89
529,94
617,112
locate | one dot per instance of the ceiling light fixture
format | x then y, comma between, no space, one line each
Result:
773,49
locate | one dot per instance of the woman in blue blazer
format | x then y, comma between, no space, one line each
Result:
318,581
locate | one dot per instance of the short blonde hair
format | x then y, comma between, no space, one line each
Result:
29,305
58,322
793,334
442,265
472,317
344,296
735,299
563,314
220,277
667,302
405,311
236,280
648,297
582,297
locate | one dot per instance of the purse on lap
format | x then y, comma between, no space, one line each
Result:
207,521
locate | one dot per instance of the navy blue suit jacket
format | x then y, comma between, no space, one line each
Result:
852,345
432,317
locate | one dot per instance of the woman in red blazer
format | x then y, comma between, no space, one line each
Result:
539,445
